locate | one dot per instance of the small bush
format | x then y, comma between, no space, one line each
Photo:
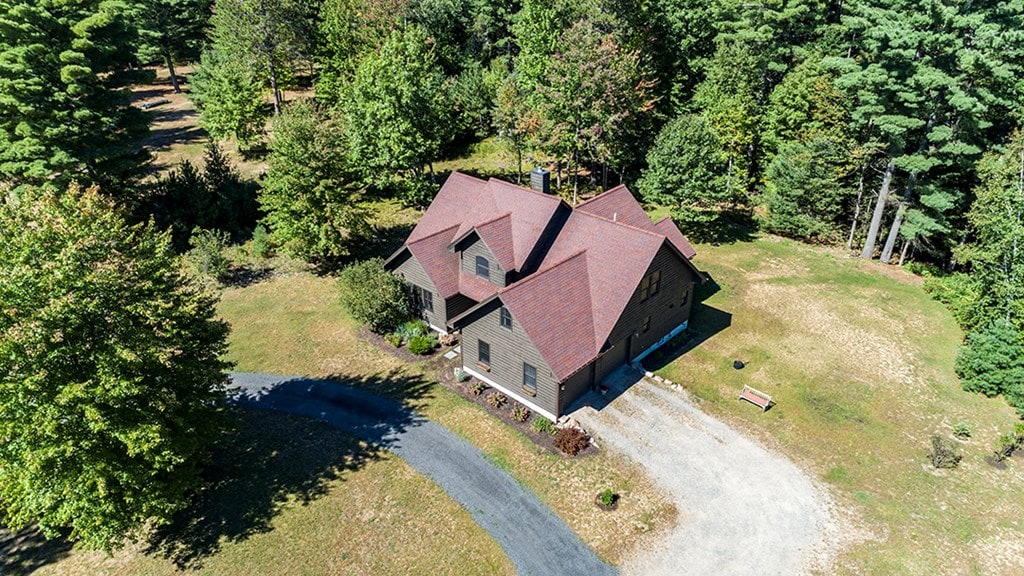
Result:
496,399
478,388
944,454
571,441
260,244
412,329
448,339
542,425
460,374
962,430
422,345
373,295
394,338
207,253
606,497
519,413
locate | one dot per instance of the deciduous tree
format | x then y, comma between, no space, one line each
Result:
111,377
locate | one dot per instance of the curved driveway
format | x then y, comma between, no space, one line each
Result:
744,511
536,540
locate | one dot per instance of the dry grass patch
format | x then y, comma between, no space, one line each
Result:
861,366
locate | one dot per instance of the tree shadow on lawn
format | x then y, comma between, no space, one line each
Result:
27,550
274,458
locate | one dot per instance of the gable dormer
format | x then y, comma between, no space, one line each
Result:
477,259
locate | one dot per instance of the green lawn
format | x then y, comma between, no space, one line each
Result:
860,362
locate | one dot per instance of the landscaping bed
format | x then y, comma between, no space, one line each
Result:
504,412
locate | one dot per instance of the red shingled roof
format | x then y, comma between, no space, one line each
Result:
554,308
587,277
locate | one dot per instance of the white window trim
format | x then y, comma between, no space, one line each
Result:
509,393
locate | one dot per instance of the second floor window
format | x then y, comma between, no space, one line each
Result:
483,268
650,285
506,318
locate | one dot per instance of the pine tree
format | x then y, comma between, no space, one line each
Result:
64,114
171,31
229,99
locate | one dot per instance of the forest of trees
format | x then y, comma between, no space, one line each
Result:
888,127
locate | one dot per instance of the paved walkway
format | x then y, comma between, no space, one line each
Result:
744,511
536,540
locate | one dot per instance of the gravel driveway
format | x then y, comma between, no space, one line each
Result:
536,540
743,510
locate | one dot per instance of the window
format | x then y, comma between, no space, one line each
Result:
483,268
422,298
686,295
483,352
506,318
647,325
650,285
529,379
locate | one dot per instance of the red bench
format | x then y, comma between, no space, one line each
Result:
756,397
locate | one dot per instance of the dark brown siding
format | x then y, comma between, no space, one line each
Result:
665,308
413,273
472,247
575,386
458,304
611,359
509,349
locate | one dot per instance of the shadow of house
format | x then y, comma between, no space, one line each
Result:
27,550
272,458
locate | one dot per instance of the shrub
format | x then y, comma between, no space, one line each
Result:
460,374
1008,443
373,295
571,441
496,399
542,425
519,413
478,388
260,244
207,253
992,361
448,339
394,338
962,430
944,454
412,329
606,497
422,345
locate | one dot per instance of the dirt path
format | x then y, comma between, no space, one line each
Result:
536,540
744,510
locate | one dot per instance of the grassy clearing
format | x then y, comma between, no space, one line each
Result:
860,361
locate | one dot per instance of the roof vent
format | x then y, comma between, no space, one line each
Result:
540,180
615,217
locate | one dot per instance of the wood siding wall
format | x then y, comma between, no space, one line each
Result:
472,247
411,271
575,386
665,308
509,349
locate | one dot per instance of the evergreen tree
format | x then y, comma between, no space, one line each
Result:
64,114
310,195
111,379
687,171
804,193
171,31
229,99
992,362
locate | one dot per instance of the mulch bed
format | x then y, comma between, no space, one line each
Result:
446,376
402,353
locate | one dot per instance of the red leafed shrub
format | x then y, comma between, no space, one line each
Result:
571,441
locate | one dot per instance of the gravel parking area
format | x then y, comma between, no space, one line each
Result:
743,509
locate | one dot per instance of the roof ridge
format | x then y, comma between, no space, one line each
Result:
431,235
464,175
492,220
624,225
538,273
602,194
524,189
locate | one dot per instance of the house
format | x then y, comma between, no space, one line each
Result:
550,299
